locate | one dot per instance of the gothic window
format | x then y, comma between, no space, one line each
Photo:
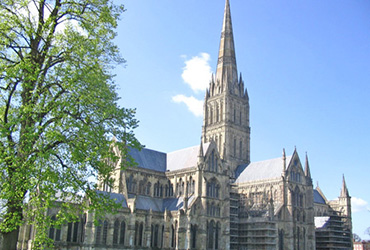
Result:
142,187
83,225
240,117
115,231
172,236
148,186
166,193
281,239
217,113
234,116
217,232
221,111
105,232
220,146
211,234
301,200
129,183
211,116
54,233
158,190
72,232
97,234
152,236
139,227
69,232
240,149
234,148
136,233
122,233
170,189
213,162
155,189
75,231
193,186
213,189
193,236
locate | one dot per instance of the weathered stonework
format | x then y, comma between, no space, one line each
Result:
210,196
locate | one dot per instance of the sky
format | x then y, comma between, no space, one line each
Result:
305,64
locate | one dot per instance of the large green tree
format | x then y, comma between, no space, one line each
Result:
58,110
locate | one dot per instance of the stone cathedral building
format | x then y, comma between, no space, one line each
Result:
211,196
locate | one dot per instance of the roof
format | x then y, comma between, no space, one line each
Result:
158,161
149,159
262,170
119,198
184,158
147,203
317,197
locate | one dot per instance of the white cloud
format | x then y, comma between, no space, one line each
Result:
194,105
359,205
197,72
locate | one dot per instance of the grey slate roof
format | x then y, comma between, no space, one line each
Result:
184,158
317,198
263,170
147,203
158,161
149,159
119,198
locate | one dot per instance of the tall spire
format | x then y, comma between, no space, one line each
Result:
344,191
226,56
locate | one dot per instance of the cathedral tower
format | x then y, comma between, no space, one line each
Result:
226,106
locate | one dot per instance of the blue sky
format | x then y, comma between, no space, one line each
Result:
306,65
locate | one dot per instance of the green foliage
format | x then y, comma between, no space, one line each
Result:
58,109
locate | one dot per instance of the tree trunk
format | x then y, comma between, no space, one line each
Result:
9,240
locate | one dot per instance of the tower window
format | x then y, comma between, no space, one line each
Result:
240,149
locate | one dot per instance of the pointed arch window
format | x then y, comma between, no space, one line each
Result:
98,233
193,235
122,233
240,149
105,232
234,148
217,113
115,231
54,233
221,112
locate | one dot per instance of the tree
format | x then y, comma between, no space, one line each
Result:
58,110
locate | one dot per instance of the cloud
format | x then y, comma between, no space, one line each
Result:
194,105
197,72
359,205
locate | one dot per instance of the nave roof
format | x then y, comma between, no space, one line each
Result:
162,162
262,170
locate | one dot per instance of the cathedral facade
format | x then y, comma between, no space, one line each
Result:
211,196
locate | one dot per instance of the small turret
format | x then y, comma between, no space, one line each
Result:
284,160
201,153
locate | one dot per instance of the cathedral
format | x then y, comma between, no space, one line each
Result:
211,196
